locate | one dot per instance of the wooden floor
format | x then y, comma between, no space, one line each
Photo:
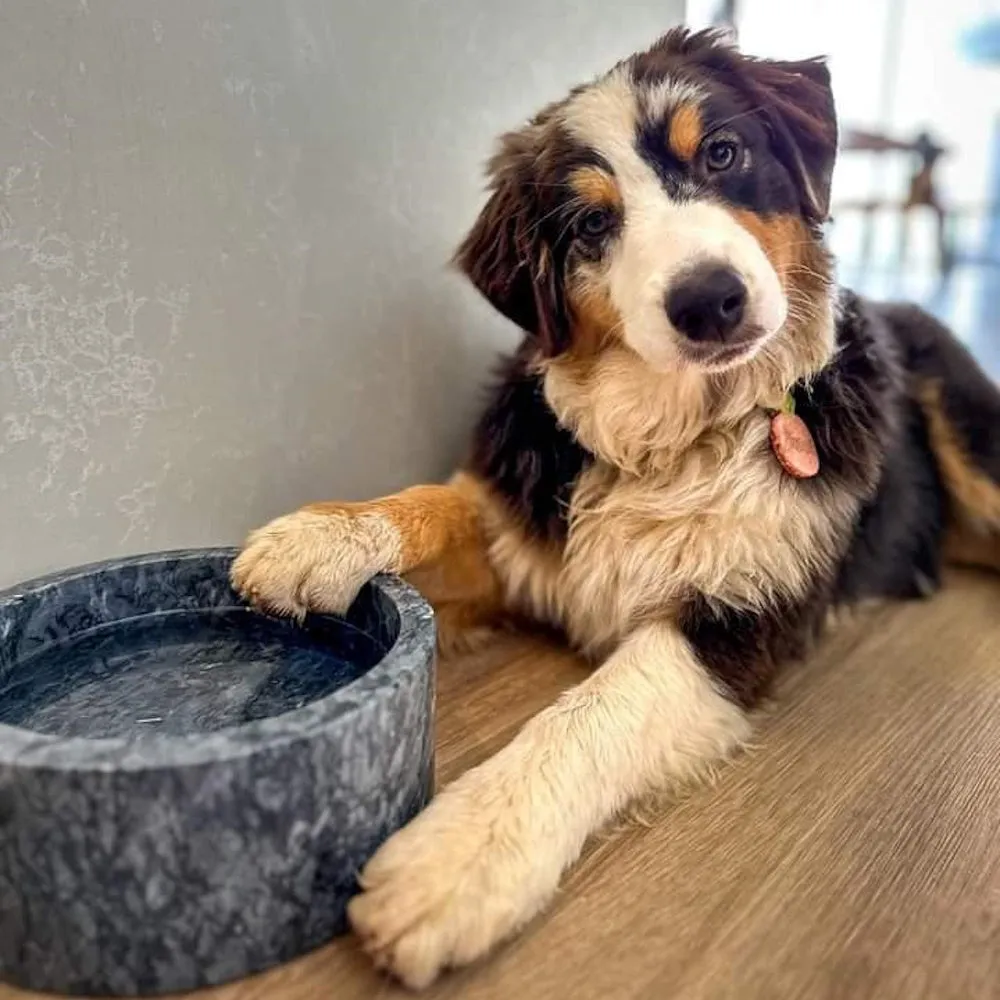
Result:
854,854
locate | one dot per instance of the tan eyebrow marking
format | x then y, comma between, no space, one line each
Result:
596,186
686,131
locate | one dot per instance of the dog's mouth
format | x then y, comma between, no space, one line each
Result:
718,356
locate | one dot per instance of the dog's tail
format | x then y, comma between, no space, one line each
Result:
961,404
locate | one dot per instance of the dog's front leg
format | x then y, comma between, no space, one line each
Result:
318,558
489,851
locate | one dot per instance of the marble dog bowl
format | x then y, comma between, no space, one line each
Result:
187,788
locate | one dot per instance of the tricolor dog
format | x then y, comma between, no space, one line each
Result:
700,449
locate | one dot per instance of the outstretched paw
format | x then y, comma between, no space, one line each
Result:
314,561
463,876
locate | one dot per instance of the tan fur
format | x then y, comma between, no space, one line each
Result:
465,594
799,262
722,520
639,419
976,494
686,131
972,545
428,519
488,853
595,318
782,237
596,187
319,557
596,321
973,537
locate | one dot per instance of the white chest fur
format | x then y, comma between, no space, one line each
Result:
724,521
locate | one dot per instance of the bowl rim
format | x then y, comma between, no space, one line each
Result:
412,651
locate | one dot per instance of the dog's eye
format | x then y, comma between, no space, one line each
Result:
595,223
721,154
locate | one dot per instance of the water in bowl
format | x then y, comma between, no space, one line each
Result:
182,672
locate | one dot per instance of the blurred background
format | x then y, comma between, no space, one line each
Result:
225,229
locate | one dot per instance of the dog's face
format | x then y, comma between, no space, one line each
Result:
672,206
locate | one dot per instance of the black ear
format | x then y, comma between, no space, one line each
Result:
506,255
796,100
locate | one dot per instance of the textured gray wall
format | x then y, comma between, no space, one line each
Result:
224,229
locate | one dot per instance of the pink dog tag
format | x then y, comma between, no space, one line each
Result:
793,445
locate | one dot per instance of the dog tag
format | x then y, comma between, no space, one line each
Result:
793,445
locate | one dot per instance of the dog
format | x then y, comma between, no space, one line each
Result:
701,448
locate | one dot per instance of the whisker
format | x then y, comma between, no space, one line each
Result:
738,116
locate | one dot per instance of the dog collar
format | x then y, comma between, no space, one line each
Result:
792,442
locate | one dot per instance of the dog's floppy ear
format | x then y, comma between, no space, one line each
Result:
506,255
796,101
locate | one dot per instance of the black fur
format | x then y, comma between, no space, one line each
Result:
677,177
743,649
896,548
519,448
850,405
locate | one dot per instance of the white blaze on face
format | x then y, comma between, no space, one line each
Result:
662,239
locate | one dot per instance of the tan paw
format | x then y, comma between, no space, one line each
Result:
459,879
310,561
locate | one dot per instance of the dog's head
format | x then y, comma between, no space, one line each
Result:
673,206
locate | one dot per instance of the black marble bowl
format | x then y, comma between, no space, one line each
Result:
188,788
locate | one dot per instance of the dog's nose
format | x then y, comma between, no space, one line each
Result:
707,304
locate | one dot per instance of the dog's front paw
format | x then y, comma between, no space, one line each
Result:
463,876
314,561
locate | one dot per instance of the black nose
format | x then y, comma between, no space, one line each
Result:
707,304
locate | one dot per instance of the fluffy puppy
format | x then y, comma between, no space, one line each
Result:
657,236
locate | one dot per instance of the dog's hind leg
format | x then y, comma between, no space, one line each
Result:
962,407
968,457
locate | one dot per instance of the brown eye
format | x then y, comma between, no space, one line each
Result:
595,223
720,155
